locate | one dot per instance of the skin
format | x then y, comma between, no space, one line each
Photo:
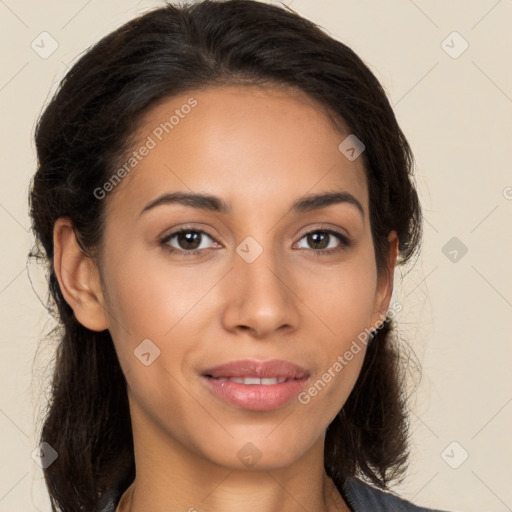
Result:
260,150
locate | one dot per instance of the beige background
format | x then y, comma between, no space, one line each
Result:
457,115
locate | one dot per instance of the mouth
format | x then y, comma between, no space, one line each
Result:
250,369
256,386
252,381
255,394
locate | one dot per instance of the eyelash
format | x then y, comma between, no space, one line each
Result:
345,242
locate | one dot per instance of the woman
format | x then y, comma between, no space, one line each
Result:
222,195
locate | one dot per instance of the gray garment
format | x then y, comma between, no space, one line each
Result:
359,496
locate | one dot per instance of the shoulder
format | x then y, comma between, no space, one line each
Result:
362,496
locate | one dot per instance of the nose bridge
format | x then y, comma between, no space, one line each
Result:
257,268
259,297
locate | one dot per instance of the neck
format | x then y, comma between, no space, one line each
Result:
331,501
171,478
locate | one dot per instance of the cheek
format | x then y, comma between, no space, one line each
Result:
342,296
149,307
342,301
148,300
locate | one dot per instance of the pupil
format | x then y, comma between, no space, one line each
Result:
190,239
314,237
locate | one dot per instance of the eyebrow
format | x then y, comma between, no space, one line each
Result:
216,204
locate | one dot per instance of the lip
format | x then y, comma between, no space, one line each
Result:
256,397
261,369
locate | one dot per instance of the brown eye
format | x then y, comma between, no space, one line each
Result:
324,241
189,240
186,241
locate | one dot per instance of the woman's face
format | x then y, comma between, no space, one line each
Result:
253,286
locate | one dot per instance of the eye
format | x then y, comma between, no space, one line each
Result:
189,241
321,240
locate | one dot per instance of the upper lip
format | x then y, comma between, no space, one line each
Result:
260,369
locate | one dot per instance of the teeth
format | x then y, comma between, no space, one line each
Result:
254,380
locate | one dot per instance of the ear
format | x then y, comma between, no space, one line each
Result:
385,284
78,277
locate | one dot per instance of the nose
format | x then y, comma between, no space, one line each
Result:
260,297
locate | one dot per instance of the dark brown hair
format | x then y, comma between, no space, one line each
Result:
82,136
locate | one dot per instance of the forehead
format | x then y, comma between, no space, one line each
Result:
246,144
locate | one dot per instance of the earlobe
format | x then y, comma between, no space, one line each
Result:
78,278
385,283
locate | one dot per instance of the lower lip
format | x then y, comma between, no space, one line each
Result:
256,397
